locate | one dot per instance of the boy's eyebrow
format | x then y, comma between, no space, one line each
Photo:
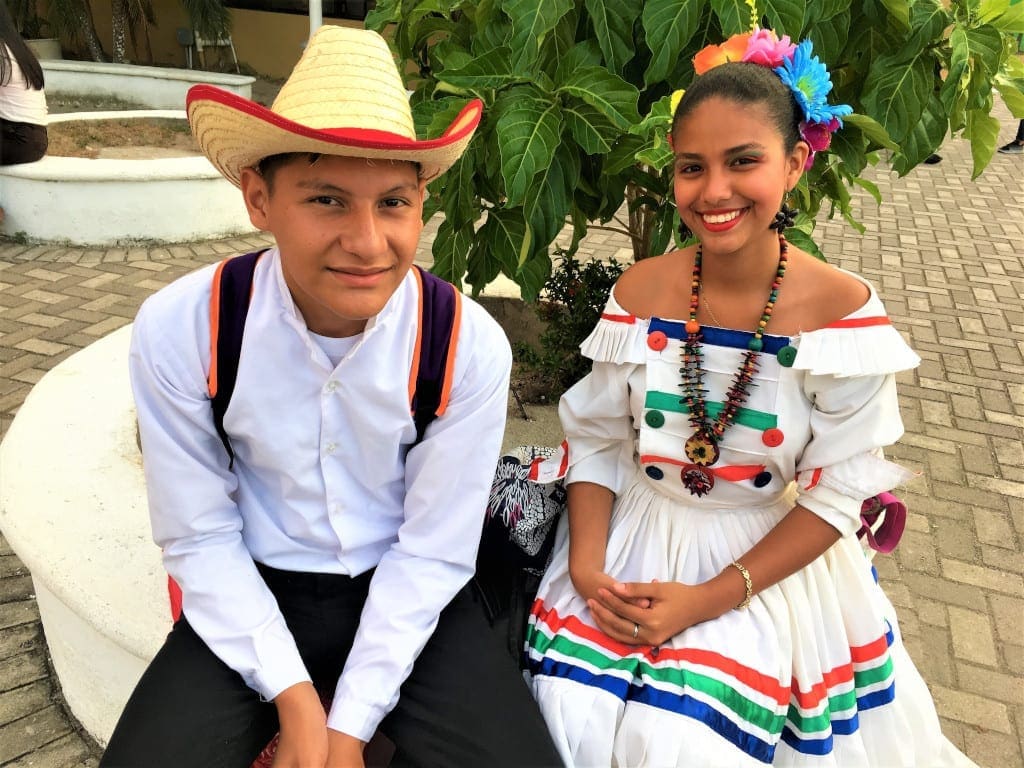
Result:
731,151
320,185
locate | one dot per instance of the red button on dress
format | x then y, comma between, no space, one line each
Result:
657,340
772,437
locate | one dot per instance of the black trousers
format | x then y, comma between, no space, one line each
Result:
465,703
21,142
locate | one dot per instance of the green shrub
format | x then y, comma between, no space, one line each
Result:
571,303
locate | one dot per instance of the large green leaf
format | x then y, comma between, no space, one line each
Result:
983,131
896,91
533,274
669,25
505,235
924,138
613,24
985,45
383,13
1003,15
1012,93
733,16
594,132
871,129
451,250
899,10
491,70
829,36
786,17
822,10
585,55
531,23
461,205
609,94
529,129
550,198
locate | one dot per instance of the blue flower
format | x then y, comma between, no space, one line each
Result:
807,77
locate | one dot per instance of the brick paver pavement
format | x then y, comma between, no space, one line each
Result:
947,255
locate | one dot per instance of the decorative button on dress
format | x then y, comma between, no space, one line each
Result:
814,672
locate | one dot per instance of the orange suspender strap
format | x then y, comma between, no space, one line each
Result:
211,377
418,346
449,366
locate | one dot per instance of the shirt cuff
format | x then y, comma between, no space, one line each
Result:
286,670
353,717
838,510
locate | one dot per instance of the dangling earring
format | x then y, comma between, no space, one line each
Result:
684,231
785,218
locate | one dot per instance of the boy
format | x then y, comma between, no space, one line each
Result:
327,563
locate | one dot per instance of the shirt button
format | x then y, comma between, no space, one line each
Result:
330,448
655,419
786,356
331,385
657,340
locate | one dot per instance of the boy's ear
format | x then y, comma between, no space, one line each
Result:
256,194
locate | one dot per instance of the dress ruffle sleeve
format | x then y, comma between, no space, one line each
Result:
851,370
864,343
595,413
618,336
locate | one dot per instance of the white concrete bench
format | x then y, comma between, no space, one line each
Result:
156,87
73,508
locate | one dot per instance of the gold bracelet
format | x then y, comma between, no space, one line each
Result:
747,583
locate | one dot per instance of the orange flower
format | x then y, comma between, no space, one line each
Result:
711,56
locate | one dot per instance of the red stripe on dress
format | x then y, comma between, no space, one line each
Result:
628,319
758,681
860,322
733,473
815,479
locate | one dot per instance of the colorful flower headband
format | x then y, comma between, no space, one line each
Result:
801,72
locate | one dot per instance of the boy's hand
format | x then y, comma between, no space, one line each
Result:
303,742
344,751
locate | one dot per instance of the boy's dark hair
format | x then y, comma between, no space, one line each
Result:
269,165
746,83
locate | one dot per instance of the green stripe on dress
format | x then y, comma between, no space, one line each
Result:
748,417
745,709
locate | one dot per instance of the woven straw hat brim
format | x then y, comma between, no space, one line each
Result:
235,133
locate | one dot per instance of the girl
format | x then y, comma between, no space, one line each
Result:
22,102
708,602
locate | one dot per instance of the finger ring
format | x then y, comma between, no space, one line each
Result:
636,630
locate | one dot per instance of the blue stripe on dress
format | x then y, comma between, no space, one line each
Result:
719,337
701,711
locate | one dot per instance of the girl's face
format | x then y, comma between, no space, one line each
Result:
731,173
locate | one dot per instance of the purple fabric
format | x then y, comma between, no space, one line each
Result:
894,520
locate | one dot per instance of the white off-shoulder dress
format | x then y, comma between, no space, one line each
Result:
814,672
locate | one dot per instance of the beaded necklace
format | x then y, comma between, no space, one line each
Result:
702,446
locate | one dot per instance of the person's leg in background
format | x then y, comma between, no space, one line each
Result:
1015,147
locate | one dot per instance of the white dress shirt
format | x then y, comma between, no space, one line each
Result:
321,480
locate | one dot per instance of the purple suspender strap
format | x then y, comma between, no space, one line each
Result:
232,292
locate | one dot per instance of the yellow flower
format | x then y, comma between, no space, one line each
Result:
677,96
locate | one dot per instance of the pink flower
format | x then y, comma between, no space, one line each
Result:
817,135
767,50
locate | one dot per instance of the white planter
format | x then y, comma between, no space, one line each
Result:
45,48
102,202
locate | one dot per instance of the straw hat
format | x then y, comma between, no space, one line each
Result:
344,97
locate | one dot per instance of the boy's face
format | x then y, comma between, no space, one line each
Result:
347,229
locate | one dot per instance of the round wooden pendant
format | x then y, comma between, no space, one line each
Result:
696,479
